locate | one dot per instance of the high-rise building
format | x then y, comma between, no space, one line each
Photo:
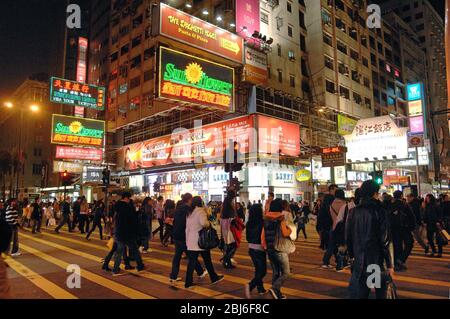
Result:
339,62
422,17
131,58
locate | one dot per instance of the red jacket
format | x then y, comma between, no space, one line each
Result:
236,228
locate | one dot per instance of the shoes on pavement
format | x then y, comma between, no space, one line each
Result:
172,281
233,261
263,292
438,256
106,268
190,286
273,293
247,291
203,275
17,254
117,273
219,279
326,266
140,269
128,267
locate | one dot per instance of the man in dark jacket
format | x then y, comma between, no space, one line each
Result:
179,238
415,206
324,221
65,211
402,222
76,213
36,216
12,218
126,232
368,241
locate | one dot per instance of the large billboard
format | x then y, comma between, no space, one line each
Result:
77,94
70,130
276,136
186,78
183,146
79,153
345,125
376,138
247,17
180,26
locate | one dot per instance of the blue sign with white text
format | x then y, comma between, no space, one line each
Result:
414,91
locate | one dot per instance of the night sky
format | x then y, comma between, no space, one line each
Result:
30,40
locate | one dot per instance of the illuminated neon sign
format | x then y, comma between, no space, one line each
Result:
77,94
186,78
71,130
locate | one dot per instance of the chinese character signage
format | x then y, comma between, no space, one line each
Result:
78,153
377,137
247,17
255,68
345,125
82,59
414,91
183,27
186,78
77,94
76,131
303,175
92,174
333,156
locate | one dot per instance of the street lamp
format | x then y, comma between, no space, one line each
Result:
34,108
9,104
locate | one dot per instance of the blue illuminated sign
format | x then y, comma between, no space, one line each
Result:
414,91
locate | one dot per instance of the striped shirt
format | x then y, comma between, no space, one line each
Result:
11,216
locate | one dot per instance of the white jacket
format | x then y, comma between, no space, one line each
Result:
194,223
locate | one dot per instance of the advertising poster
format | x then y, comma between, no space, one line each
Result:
77,94
276,136
186,78
78,153
180,26
70,130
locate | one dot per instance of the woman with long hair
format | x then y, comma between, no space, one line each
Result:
169,209
433,221
196,220
227,214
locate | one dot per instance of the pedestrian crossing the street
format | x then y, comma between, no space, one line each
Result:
41,272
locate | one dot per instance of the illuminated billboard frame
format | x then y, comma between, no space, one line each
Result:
188,29
76,131
77,94
190,89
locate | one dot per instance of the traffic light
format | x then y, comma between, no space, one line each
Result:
377,177
235,166
106,174
66,178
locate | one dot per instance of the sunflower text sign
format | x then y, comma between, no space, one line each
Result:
70,130
185,78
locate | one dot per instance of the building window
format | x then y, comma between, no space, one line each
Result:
355,76
37,169
124,49
344,92
301,19
420,27
304,68
357,98
327,39
341,47
368,102
264,18
279,49
330,87
114,56
37,152
366,82
135,62
289,31
289,7
292,81
329,62
291,55
302,43
280,76
326,17
148,75
365,62
137,21
149,53
135,82
136,41
354,55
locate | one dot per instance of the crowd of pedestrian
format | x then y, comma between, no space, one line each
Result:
365,230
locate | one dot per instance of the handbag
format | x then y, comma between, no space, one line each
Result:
208,239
